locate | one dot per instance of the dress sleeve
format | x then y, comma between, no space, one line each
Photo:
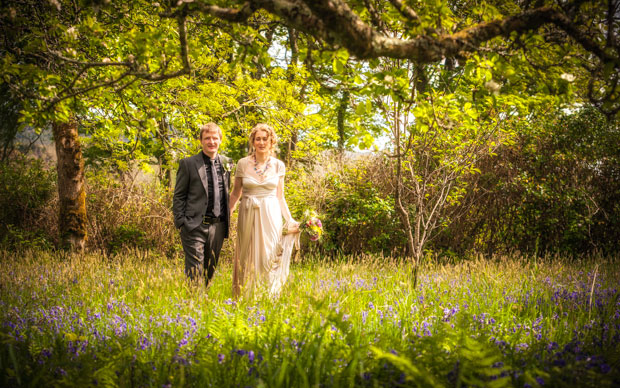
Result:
280,169
286,213
239,171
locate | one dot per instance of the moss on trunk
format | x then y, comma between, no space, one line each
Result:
71,192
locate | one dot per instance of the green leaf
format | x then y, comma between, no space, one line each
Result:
343,55
337,66
360,109
406,366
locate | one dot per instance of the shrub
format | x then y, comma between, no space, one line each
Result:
27,197
123,214
556,190
352,197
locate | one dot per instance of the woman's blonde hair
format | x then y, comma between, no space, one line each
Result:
273,138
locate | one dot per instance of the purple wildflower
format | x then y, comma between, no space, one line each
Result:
522,347
144,343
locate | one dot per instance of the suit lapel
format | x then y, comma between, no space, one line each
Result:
202,172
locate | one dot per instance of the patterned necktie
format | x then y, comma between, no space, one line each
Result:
216,189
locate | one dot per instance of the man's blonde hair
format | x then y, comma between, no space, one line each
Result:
208,127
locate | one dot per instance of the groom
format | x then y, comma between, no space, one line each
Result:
200,204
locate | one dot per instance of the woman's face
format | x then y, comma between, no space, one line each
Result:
262,142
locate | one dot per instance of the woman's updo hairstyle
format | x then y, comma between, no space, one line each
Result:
273,138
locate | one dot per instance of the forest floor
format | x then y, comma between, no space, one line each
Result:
134,320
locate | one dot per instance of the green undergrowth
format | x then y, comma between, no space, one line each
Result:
134,320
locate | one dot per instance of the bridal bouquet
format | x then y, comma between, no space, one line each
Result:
311,225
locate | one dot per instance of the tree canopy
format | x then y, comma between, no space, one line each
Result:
56,50
547,33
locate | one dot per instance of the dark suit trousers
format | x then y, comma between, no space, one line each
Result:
202,248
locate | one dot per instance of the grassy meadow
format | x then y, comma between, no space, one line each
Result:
134,321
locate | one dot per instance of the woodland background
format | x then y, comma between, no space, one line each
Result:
464,157
494,132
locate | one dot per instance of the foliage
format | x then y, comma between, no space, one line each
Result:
138,103
353,200
554,190
141,76
126,215
9,116
19,239
69,320
27,189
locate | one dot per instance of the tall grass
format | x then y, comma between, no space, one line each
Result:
134,320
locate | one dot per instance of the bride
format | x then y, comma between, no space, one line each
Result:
262,251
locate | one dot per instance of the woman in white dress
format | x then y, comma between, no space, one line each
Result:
262,251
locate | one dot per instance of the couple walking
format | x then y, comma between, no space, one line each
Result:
203,205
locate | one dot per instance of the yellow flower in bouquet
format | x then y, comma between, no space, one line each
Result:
311,225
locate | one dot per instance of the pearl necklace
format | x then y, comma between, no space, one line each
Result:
259,173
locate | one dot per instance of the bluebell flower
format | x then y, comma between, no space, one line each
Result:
605,368
521,347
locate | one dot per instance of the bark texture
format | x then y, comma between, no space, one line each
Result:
71,191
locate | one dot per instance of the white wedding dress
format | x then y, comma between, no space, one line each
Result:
262,252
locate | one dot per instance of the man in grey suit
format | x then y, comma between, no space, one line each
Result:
200,204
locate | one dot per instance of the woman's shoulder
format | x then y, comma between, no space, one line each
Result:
242,166
243,160
280,167
275,161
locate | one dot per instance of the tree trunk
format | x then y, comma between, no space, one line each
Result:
71,192
292,40
342,111
402,211
165,177
290,147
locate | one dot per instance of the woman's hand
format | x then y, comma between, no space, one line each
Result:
293,228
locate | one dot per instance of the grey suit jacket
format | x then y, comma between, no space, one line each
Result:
191,192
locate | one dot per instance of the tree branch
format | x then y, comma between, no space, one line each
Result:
78,92
183,42
406,11
88,64
336,23
375,17
229,14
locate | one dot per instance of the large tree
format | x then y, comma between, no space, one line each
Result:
138,80
583,33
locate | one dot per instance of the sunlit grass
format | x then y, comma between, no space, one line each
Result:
135,320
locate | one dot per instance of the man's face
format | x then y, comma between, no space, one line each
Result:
210,142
